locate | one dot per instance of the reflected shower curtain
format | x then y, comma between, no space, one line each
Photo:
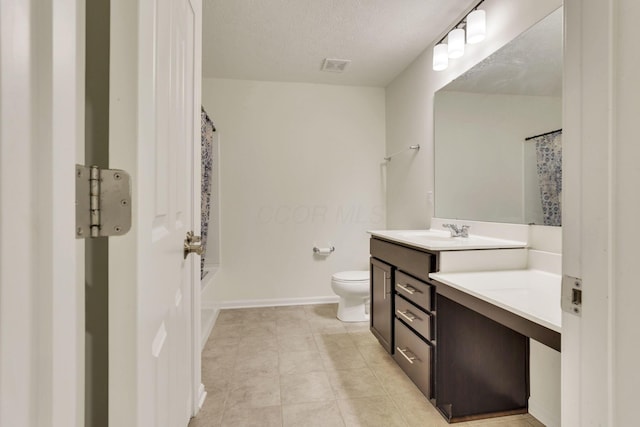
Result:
549,168
207,129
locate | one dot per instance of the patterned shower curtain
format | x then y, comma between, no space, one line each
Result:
549,167
207,129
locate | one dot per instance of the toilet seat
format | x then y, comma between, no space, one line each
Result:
351,276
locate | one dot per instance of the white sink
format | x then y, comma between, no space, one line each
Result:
442,240
428,235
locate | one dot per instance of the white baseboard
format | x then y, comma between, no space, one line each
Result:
277,302
543,414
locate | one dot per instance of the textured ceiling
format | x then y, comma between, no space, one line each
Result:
531,64
287,40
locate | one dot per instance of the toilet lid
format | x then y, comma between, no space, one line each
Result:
352,276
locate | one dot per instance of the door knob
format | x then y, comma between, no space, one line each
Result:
191,238
192,244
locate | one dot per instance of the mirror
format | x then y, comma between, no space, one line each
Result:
497,137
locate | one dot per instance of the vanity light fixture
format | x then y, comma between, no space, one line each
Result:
455,41
440,57
474,23
476,26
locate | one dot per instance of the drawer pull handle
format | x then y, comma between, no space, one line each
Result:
409,289
407,354
408,315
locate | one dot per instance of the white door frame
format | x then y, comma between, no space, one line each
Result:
571,208
41,263
587,222
601,209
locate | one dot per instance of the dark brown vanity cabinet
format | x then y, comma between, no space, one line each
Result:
468,365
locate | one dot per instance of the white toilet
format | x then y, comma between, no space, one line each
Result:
353,289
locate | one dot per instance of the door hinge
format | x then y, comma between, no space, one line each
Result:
571,298
103,202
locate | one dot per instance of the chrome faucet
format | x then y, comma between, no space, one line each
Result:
462,231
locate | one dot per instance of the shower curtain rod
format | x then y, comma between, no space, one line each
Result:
543,134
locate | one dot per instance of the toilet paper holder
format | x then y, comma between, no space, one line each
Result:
323,251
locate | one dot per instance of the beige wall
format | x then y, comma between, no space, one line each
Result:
300,165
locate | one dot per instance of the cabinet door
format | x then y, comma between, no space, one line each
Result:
482,367
382,303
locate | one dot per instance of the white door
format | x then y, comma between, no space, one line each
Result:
154,100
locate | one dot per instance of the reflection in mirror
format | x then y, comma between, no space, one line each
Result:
497,133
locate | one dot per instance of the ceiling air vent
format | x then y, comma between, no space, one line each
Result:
335,65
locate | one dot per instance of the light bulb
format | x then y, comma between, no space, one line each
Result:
455,41
440,57
476,26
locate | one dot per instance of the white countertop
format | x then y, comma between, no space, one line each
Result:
437,240
532,294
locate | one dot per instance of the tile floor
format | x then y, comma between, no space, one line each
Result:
300,366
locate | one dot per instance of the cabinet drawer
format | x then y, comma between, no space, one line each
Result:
417,319
414,290
414,357
419,263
